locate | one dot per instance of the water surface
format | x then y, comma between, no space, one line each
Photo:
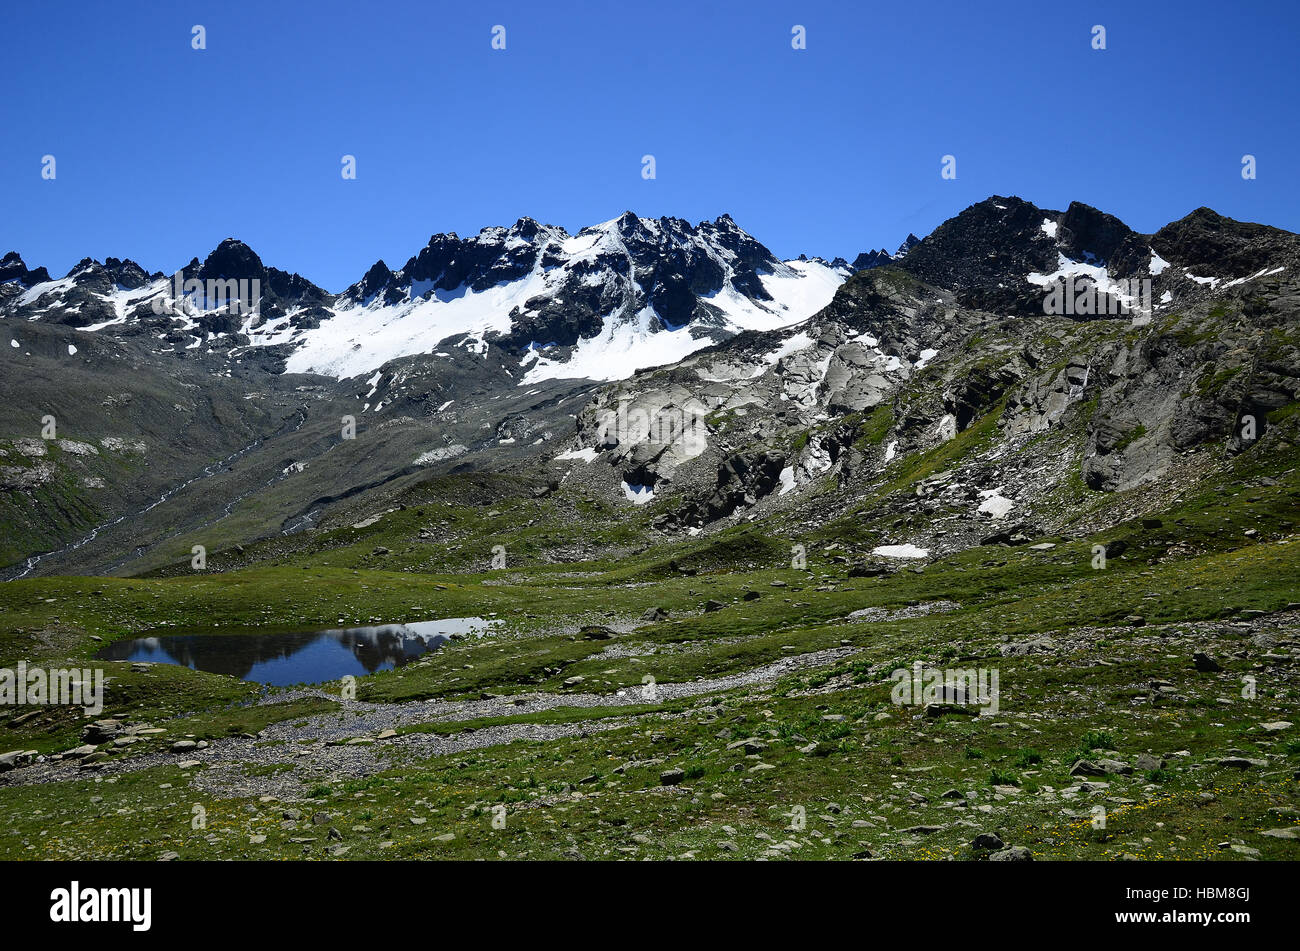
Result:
309,657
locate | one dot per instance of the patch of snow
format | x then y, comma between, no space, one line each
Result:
36,291
639,494
798,291
1263,272
792,344
947,427
787,480
619,350
364,337
1048,227
900,551
995,504
587,454
1068,268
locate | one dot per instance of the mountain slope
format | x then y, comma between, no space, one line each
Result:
901,396
1026,409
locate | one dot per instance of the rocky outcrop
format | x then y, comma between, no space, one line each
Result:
1213,375
741,481
1211,245
984,254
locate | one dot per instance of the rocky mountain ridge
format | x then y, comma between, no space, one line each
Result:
602,303
897,367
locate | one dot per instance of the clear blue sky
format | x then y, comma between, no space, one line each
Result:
162,151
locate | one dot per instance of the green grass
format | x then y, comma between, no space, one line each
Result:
863,769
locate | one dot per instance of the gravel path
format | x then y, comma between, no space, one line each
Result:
328,755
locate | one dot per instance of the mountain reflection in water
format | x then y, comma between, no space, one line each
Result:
298,657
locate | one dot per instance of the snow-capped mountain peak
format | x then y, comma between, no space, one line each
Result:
615,297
